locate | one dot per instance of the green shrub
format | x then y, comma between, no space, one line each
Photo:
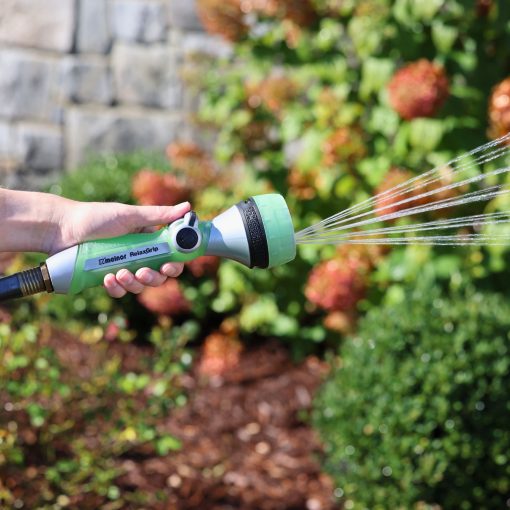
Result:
108,178
419,405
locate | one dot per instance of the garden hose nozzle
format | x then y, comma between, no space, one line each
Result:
257,232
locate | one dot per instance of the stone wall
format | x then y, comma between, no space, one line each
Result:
79,77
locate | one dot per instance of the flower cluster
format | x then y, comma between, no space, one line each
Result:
154,188
300,12
499,109
393,195
273,93
202,266
223,17
303,185
336,285
345,145
418,90
386,201
193,162
220,353
167,299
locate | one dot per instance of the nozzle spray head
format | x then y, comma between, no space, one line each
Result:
256,232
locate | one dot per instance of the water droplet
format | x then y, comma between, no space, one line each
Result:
313,504
386,471
186,358
338,492
349,450
56,189
425,357
501,460
368,429
80,304
479,406
418,449
448,327
63,500
449,424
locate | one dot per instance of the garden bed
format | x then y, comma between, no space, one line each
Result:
245,441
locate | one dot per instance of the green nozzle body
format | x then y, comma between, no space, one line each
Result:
87,264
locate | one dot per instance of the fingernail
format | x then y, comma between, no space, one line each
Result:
126,276
110,280
147,277
183,206
168,269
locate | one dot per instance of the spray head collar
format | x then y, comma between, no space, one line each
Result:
257,232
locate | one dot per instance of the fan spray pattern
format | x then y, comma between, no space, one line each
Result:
456,183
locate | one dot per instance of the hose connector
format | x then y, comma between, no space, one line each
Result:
26,283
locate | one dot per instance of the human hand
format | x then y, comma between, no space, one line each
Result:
86,221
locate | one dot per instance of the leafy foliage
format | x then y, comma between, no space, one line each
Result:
330,112
417,409
71,412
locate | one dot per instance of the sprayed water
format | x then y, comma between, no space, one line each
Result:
457,183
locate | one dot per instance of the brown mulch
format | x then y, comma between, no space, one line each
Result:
244,444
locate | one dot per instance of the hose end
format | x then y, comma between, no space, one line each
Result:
26,283
32,281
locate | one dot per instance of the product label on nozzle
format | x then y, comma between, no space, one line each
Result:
126,256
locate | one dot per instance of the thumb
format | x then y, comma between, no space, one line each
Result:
151,215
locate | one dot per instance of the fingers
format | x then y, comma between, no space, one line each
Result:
124,281
150,215
127,280
172,269
150,277
113,287
121,283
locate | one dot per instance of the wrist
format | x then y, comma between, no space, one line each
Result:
31,221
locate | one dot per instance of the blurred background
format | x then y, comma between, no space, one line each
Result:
355,377
79,78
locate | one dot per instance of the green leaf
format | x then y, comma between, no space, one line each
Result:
366,35
261,313
425,9
443,36
311,155
166,444
375,73
426,134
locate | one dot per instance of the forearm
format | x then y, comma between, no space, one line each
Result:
29,221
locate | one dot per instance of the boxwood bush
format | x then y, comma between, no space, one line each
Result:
417,410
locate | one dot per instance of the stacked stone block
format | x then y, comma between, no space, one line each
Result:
81,77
